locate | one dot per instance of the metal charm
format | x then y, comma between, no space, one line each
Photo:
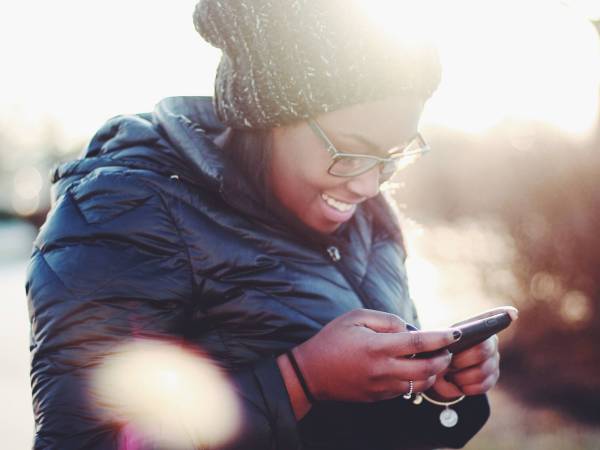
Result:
449,417
418,399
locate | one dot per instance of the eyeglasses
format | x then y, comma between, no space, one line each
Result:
353,164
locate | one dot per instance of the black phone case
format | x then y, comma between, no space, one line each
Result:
473,333
476,332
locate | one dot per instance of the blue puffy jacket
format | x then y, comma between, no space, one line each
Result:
152,234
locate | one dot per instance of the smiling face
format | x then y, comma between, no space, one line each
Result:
300,160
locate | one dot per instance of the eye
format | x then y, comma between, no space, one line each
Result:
348,166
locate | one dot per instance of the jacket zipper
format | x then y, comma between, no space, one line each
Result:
336,257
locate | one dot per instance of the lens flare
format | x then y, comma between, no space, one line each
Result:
162,394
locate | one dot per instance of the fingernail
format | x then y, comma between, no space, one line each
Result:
410,327
457,334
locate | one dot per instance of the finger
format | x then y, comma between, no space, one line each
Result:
483,387
393,388
474,375
476,355
411,342
418,369
378,321
446,388
512,311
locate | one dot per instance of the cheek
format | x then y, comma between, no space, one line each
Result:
298,190
299,179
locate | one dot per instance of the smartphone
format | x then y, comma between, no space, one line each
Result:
474,332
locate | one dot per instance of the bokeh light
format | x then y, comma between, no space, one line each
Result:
27,185
163,394
28,182
545,286
576,308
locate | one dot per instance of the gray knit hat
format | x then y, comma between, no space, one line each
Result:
285,60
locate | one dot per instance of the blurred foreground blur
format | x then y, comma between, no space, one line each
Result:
165,395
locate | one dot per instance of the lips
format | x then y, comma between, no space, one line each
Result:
337,204
335,211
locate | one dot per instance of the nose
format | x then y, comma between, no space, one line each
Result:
366,184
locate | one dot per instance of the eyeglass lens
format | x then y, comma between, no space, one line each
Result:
348,166
351,166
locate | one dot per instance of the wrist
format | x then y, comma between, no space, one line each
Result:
300,404
299,371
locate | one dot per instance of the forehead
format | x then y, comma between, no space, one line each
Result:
385,123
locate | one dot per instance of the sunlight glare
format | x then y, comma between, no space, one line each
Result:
446,266
80,63
587,8
504,59
529,59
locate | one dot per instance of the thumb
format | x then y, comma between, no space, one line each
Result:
379,321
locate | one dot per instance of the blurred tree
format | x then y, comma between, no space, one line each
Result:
542,186
26,160
553,357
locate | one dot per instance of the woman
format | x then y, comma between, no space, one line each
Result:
251,226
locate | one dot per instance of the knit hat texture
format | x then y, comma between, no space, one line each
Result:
285,60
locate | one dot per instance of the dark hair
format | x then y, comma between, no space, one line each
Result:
250,152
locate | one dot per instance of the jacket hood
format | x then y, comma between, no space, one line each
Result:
177,139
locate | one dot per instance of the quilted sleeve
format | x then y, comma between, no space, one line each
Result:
109,266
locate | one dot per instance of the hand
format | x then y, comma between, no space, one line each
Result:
475,370
363,356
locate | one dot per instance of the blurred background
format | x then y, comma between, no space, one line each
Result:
505,209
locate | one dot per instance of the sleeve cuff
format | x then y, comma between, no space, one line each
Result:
277,402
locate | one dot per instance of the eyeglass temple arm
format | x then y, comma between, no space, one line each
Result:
319,132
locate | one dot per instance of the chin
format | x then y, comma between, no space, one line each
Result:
325,228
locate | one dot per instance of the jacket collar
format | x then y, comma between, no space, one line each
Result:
178,138
191,126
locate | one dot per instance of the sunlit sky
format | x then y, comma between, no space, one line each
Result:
80,62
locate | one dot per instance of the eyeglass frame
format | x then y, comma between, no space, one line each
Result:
380,161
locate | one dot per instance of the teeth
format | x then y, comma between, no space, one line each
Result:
340,206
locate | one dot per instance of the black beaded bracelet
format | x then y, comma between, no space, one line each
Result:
300,377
